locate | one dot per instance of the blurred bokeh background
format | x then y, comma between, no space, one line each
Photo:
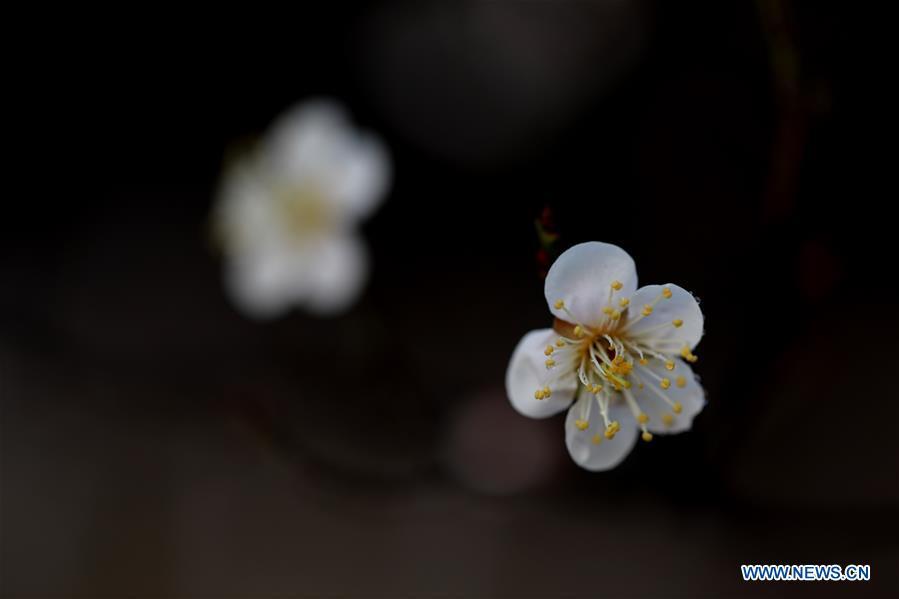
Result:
157,443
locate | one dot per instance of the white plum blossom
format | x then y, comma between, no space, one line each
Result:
617,357
287,213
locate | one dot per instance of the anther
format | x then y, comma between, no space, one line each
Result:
667,419
667,293
550,363
597,439
647,310
581,424
669,365
615,314
607,311
624,302
539,394
560,304
560,342
612,429
665,383
547,392
680,382
621,367
642,418
677,407
643,361
647,436
549,350
677,322
616,285
578,331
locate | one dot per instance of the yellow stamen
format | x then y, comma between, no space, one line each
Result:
607,311
547,392
612,429
581,424
665,383
667,293
680,382
677,322
647,436
624,302
616,285
597,439
560,342
617,381
549,350
642,418
539,394
647,310
643,361
669,365
615,314
677,407
550,363
578,331
667,419
559,304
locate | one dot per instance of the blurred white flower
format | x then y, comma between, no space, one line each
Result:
616,355
287,213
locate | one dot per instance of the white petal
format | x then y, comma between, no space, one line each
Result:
691,397
306,139
315,143
582,277
324,275
527,373
337,271
657,330
607,453
257,280
244,215
364,176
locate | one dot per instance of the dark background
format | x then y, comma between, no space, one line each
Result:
156,443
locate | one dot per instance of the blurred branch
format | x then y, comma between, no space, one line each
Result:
792,126
547,236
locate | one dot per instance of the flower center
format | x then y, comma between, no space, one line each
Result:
305,210
612,363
